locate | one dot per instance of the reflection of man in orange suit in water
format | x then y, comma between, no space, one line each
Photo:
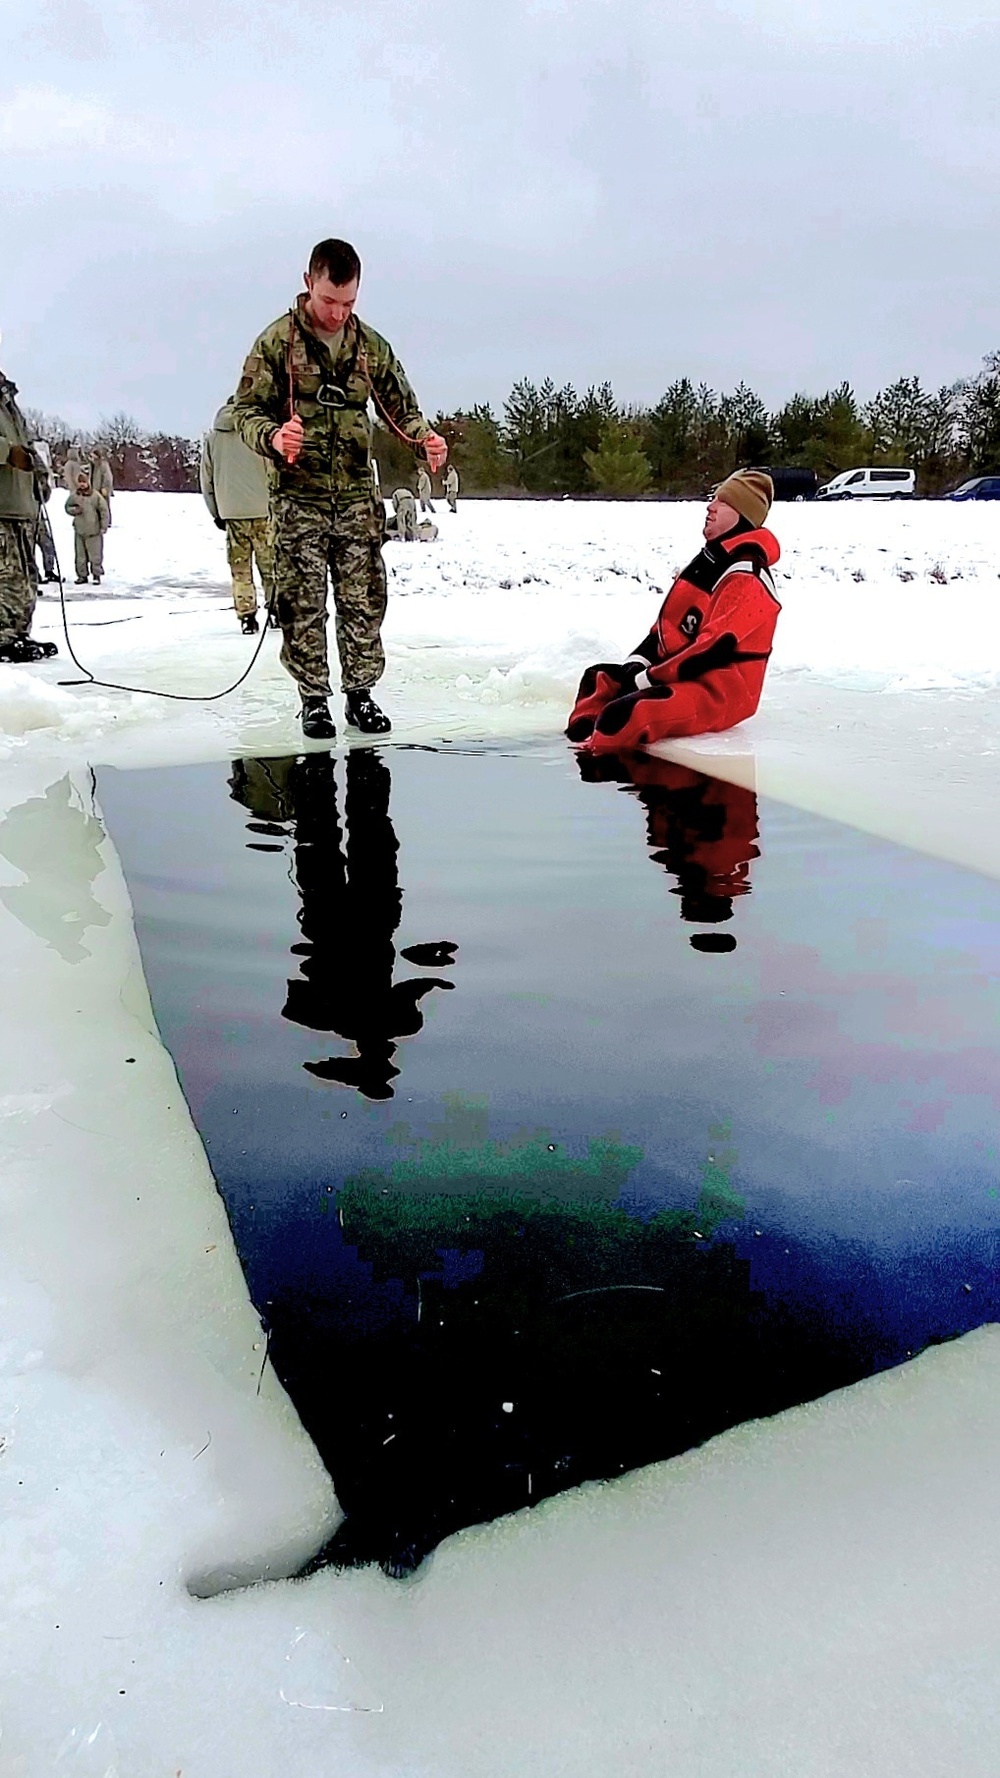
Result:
350,909
701,829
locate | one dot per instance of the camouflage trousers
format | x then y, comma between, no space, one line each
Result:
246,539
18,578
43,542
342,539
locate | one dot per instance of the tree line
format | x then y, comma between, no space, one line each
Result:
556,441
148,462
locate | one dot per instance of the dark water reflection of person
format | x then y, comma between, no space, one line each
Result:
351,905
702,830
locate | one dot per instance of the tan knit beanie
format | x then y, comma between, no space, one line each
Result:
749,492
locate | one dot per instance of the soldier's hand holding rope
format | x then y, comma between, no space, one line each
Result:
287,441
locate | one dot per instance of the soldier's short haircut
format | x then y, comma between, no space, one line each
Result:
336,260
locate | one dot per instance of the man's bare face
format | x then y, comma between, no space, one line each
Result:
719,519
330,305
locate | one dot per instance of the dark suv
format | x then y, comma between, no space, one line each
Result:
981,487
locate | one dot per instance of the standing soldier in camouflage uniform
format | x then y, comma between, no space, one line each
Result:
234,484
451,487
19,467
425,490
302,404
43,493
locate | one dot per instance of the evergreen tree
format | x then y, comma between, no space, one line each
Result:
668,433
744,419
619,465
979,419
826,433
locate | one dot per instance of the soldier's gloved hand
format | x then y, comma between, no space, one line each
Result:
19,458
435,450
220,524
287,441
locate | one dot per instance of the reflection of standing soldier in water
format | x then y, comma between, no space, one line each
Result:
351,908
701,829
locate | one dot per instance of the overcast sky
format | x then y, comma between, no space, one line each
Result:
786,191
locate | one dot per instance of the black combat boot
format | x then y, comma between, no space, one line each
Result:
248,623
23,650
363,713
317,723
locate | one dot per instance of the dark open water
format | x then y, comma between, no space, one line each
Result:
563,1124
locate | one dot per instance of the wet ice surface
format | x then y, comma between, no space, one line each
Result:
562,1125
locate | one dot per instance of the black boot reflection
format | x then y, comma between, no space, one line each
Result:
702,830
351,905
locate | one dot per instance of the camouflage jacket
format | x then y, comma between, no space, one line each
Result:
331,399
18,491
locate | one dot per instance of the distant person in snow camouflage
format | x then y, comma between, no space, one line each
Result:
19,470
302,404
101,479
451,487
234,484
405,508
425,490
72,468
91,517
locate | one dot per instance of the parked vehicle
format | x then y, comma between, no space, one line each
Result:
981,487
791,483
871,484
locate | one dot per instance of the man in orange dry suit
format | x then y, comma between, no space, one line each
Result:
701,668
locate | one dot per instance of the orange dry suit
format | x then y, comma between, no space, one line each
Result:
701,668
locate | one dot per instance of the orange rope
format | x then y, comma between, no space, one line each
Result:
415,444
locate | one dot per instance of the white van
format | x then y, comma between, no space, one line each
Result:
870,484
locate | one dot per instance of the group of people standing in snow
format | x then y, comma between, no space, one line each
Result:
287,473
27,479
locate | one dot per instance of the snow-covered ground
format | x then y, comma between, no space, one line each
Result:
881,705
813,1596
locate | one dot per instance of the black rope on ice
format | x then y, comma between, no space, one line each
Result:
148,691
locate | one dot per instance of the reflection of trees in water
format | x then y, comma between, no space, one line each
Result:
545,1337
701,829
351,904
